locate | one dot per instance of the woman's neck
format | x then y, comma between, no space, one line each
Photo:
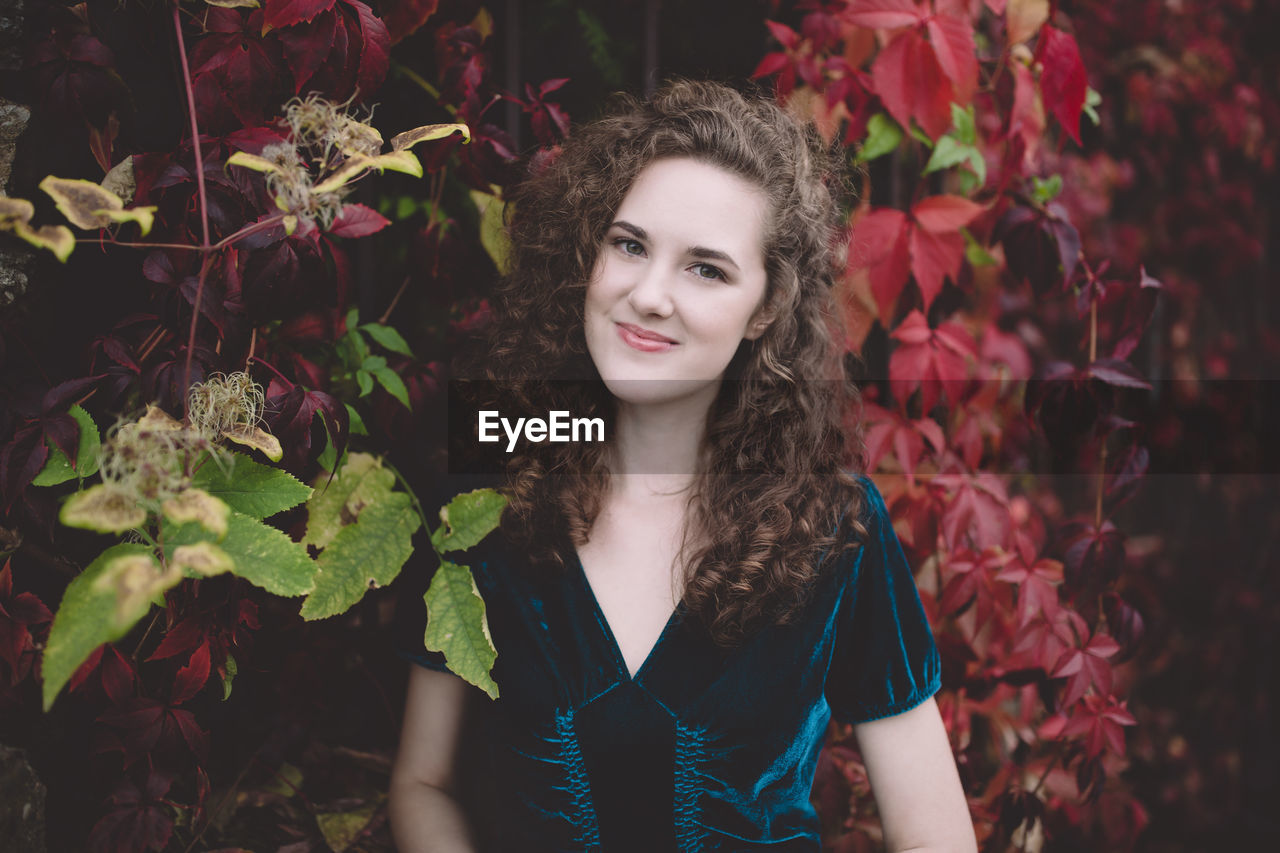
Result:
658,451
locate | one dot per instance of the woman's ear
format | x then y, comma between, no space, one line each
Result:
763,319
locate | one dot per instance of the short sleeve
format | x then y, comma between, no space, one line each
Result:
885,660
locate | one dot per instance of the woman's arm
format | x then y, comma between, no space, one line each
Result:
917,788
425,817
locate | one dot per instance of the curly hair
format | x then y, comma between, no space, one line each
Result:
784,447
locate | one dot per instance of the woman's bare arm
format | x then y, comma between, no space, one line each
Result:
917,788
425,817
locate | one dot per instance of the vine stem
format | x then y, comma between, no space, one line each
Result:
1045,775
203,199
1102,459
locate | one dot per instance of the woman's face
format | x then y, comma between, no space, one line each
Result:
679,282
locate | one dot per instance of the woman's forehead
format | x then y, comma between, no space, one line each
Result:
683,198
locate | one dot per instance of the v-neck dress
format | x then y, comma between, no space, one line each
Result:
704,749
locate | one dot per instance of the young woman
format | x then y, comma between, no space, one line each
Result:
680,609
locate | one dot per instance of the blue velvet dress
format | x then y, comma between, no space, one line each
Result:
705,749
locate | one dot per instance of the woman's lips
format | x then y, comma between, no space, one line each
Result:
643,344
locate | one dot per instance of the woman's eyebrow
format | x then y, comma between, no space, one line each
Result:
695,251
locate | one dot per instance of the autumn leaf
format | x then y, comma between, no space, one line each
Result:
929,359
925,242
1086,666
1063,82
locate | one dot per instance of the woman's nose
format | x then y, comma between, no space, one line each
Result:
651,291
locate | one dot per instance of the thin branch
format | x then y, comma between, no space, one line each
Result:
195,128
394,300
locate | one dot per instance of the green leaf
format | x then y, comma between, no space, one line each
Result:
968,182
458,626
493,235
948,153
974,251
1046,191
357,422
1092,100
883,136
58,468
391,381
410,138
342,829
329,456
263,555
468,518
232,668
963,122
365,380
918,134
361,482
362,556
251,488
387,337
103,509
253,161
88,617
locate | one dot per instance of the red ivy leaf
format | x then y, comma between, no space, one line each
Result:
1085,666
356,220
928,359
375,54
405,17
884,14
284,13
307,47
952,39
880,243
1063,82
1100,720
193,676
912,84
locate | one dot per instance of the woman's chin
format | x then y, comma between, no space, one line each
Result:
650,390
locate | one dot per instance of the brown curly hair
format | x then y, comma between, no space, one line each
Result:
780,487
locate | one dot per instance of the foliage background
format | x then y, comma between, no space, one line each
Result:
1180,176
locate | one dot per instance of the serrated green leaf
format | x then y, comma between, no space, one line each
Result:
103,509
387,337
199,506
458,626
263,555
394,385
58,467
363,556
251,488
468,518
361,482
883,136
86,619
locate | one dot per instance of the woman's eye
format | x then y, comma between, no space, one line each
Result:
708,271
629,246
